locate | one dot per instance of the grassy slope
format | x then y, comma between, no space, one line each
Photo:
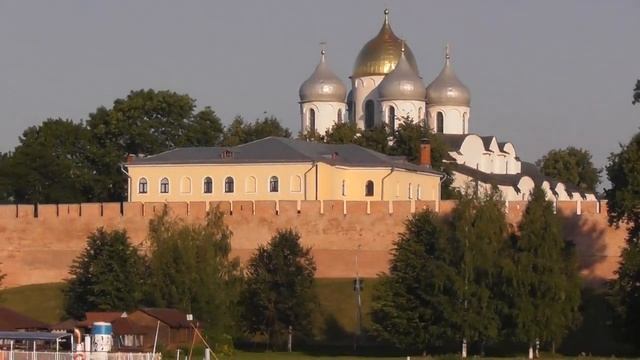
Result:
42,302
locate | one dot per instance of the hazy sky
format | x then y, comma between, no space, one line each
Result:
542,74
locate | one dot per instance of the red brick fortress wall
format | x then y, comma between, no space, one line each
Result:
40,242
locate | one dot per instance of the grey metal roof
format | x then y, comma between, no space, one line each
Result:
322,85
403,83
447,89
32,335
282,150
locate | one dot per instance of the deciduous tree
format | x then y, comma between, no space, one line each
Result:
190,268
571,165
546,292
278,292
109,275
623,198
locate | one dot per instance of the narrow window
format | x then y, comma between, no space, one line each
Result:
368,189
369,112
440,122
464,123
207,185
419,193
344,188
228,184
164,186
296,183
142,186
273,184
185,185
339,119
312,120
392,118
410,191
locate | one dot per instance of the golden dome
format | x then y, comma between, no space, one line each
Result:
381,54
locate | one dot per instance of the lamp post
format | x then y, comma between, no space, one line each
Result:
357,287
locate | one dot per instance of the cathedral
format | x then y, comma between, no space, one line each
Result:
386,88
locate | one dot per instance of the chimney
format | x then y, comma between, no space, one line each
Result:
425,152
130,158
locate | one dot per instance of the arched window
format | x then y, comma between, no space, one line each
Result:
410,191
464,123
142,186
419,192
228,185
312,120
420,113
369,112
185,185
392,118
368,189
207,185
339,119
250,185
164,186
274,184
296,183
440,122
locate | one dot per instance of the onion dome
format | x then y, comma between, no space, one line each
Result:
403,83
447,89
380,55
323,84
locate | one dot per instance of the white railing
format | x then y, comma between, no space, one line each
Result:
52,355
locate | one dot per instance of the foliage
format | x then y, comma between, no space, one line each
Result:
416,305
278,291
546,289
108,275
341,133
190,269
49,164
241,132
205,129
623,198
571,165
376,139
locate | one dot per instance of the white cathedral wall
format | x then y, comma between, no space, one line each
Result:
326,114
405,109
456,118
363,90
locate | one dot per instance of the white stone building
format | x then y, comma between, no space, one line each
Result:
386,88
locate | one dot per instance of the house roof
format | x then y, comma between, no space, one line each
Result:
99,316
11,320
125,326
32,335
281,150
172,317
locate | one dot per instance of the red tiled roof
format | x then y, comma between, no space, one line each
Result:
11,320
99,316
172,317
125,326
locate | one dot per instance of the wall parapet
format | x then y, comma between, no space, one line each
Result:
268,207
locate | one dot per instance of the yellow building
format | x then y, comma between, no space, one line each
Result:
280,169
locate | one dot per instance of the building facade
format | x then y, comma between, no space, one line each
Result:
386,88
279,169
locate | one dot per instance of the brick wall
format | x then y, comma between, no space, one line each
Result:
40,242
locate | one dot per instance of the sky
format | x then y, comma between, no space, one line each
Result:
542,74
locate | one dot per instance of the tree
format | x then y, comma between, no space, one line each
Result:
49,164
623,203
109,275
204,129
480,231
571,165
376,139
546,292
279,288
416,306
240,132
190,268
341,133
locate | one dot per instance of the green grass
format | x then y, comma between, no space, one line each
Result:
41,302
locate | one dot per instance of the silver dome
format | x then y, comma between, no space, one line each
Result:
447,89
403,83
323,85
